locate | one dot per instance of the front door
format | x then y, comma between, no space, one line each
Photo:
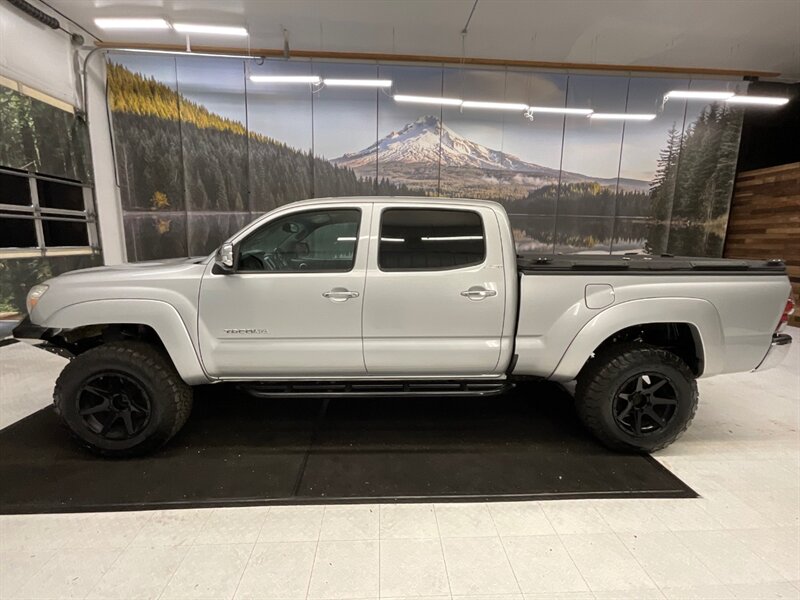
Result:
435,295
293,306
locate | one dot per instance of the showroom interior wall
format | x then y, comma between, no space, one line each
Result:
46,141
202,149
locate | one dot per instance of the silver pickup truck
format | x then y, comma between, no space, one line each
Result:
394,296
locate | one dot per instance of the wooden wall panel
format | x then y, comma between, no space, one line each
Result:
765,219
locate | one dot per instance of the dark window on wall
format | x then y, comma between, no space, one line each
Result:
53,194
17,232
430,239
63,232
40,215
14,190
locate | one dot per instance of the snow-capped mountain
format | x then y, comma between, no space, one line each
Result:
410,153
418,142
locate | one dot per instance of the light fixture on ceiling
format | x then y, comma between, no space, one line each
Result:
285,79
622,116
428,100
131,23
210,29
375,83
698,95
494,105
758,100
560,110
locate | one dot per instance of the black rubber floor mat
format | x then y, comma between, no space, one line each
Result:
236,450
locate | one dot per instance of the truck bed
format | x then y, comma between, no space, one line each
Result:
537,264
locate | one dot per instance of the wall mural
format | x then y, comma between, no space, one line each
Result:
201,150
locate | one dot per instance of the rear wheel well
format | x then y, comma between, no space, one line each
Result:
682,339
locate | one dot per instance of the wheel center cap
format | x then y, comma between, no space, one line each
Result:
120,402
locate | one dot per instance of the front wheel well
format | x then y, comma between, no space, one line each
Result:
80,339
682,339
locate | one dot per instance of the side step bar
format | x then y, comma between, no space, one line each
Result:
340,389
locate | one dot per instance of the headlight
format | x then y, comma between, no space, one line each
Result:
34,294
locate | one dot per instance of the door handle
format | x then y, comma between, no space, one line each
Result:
339,294
477,292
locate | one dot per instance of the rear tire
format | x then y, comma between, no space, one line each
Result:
636,397
122,399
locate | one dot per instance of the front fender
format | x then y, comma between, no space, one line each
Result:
161,316
700,314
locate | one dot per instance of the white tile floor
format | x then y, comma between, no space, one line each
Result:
741,539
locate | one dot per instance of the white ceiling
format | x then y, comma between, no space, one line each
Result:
730,34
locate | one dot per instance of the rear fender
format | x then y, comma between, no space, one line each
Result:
700,314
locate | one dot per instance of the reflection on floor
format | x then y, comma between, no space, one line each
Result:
741,539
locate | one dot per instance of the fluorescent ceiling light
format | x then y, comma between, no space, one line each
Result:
377,83
622,116
212,29
284,78
763,100
131,23
428,100
698,95
386,239
452,238
560,110
494,105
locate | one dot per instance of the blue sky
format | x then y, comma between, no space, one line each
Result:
341,120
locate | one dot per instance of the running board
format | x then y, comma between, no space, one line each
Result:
339,389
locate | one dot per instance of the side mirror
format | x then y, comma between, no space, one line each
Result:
225,258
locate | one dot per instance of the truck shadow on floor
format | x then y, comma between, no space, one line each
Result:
239,450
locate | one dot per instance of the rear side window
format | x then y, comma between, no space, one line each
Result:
433,239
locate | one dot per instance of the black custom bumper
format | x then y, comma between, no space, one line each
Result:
26,330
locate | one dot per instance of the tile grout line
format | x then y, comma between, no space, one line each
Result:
316,550
628,550
441,548
249,557
122,551
503,546
183,558
379,550
563,545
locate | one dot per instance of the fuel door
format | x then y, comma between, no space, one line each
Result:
599,295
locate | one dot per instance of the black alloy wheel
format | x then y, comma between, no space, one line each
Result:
114,406
645,404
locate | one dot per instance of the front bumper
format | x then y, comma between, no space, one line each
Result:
26,330
778,349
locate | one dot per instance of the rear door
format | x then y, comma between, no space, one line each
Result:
435,293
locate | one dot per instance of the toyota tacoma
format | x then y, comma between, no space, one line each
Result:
386,296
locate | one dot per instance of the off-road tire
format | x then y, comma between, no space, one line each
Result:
601,379
170,397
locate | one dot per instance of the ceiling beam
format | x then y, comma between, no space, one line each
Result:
421,58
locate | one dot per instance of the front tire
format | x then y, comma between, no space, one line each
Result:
122,399
636,397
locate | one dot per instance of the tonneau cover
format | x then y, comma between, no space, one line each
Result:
576,263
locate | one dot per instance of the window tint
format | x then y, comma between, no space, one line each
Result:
430,239
318,240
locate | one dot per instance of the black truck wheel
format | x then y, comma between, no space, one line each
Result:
122,399
636,397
